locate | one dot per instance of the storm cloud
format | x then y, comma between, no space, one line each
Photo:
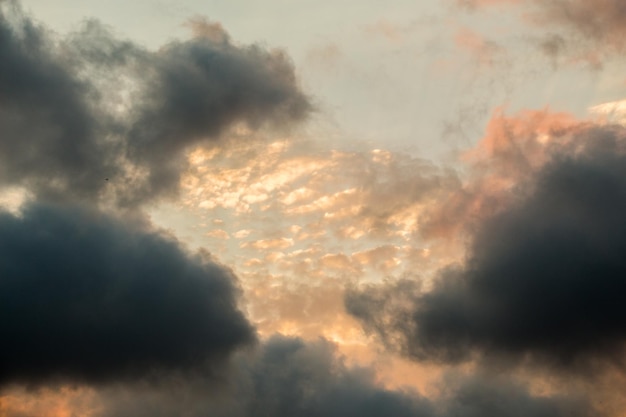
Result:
50,138
543,279
79,110
289,377
87,298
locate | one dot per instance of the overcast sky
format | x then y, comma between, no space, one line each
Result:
298,208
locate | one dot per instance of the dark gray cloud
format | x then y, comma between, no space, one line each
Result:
50,139
488,395
543,280
283,377
84,297
201,88
289,377
76,111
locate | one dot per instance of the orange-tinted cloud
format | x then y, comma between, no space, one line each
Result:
484,51
386,30
473,4
298,195
586,24
512,150
203,28
61,402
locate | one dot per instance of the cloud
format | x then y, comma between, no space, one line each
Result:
265,244
603,21
381,193
87,298
50,137
613,112
51,402
291,377
542,276
473,4
280,304
512,151
485,52
94,117
585,24
481,395
202,88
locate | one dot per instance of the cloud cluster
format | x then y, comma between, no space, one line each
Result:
94,117
316,220
110,305
542,275
291,201
85,297
90,122
291,377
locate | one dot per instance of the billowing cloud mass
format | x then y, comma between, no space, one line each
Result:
288,377
494,282
92,116
50,138
87,298
511,153
542,277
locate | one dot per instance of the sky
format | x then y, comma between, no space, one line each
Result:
241,208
